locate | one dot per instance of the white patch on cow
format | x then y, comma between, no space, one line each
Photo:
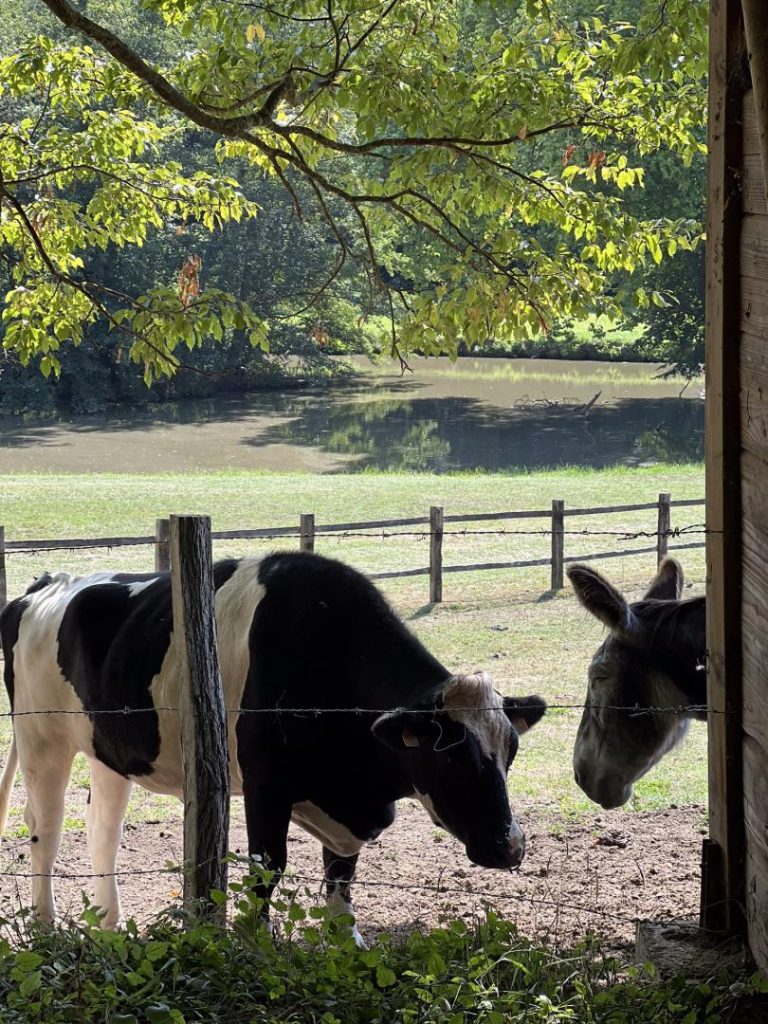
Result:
40,683
236,603
322,826
426,802
136,588
337,906
104,815
47,743
474,703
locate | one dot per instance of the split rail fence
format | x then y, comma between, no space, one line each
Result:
308,532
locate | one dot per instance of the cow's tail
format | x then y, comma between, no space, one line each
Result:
6,783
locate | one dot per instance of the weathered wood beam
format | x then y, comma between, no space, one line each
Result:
723,897
756,32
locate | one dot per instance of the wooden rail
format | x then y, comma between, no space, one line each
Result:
307,531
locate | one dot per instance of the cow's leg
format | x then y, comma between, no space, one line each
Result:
107,802
267,816
339,872
46,773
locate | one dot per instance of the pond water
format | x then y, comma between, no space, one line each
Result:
476,414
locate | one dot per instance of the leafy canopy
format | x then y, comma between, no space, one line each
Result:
469,158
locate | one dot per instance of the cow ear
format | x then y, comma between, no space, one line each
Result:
524,712
401,730
668,584
600,598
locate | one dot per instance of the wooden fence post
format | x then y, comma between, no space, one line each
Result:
3,577
724,903
162,545
203,721
307,531
663,527
435,554
558,537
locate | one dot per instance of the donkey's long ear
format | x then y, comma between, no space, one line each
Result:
600,598
668,584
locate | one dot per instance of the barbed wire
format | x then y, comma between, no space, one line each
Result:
672,533
435,888
76,875
424,534
635,709
240,865
439,889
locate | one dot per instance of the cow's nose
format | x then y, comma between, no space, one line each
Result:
516,856
516,848
577,777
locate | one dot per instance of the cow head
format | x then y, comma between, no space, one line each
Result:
457,752
648,660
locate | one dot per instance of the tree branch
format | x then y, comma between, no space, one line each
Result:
159,84
233,127
61,277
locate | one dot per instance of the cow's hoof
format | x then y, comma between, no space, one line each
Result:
359,940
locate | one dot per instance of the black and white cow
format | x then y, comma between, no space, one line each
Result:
653,657
294,631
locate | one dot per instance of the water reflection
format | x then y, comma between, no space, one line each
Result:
463,433
478,415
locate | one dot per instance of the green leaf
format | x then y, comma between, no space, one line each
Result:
296,912
27,961
161,1013
385,976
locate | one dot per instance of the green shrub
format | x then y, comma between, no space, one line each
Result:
487,974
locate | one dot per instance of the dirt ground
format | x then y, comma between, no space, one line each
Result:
596,873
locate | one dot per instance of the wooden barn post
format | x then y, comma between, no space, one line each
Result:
723,878
753,361
204,748
756,32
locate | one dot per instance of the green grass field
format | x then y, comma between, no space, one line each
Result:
504,621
